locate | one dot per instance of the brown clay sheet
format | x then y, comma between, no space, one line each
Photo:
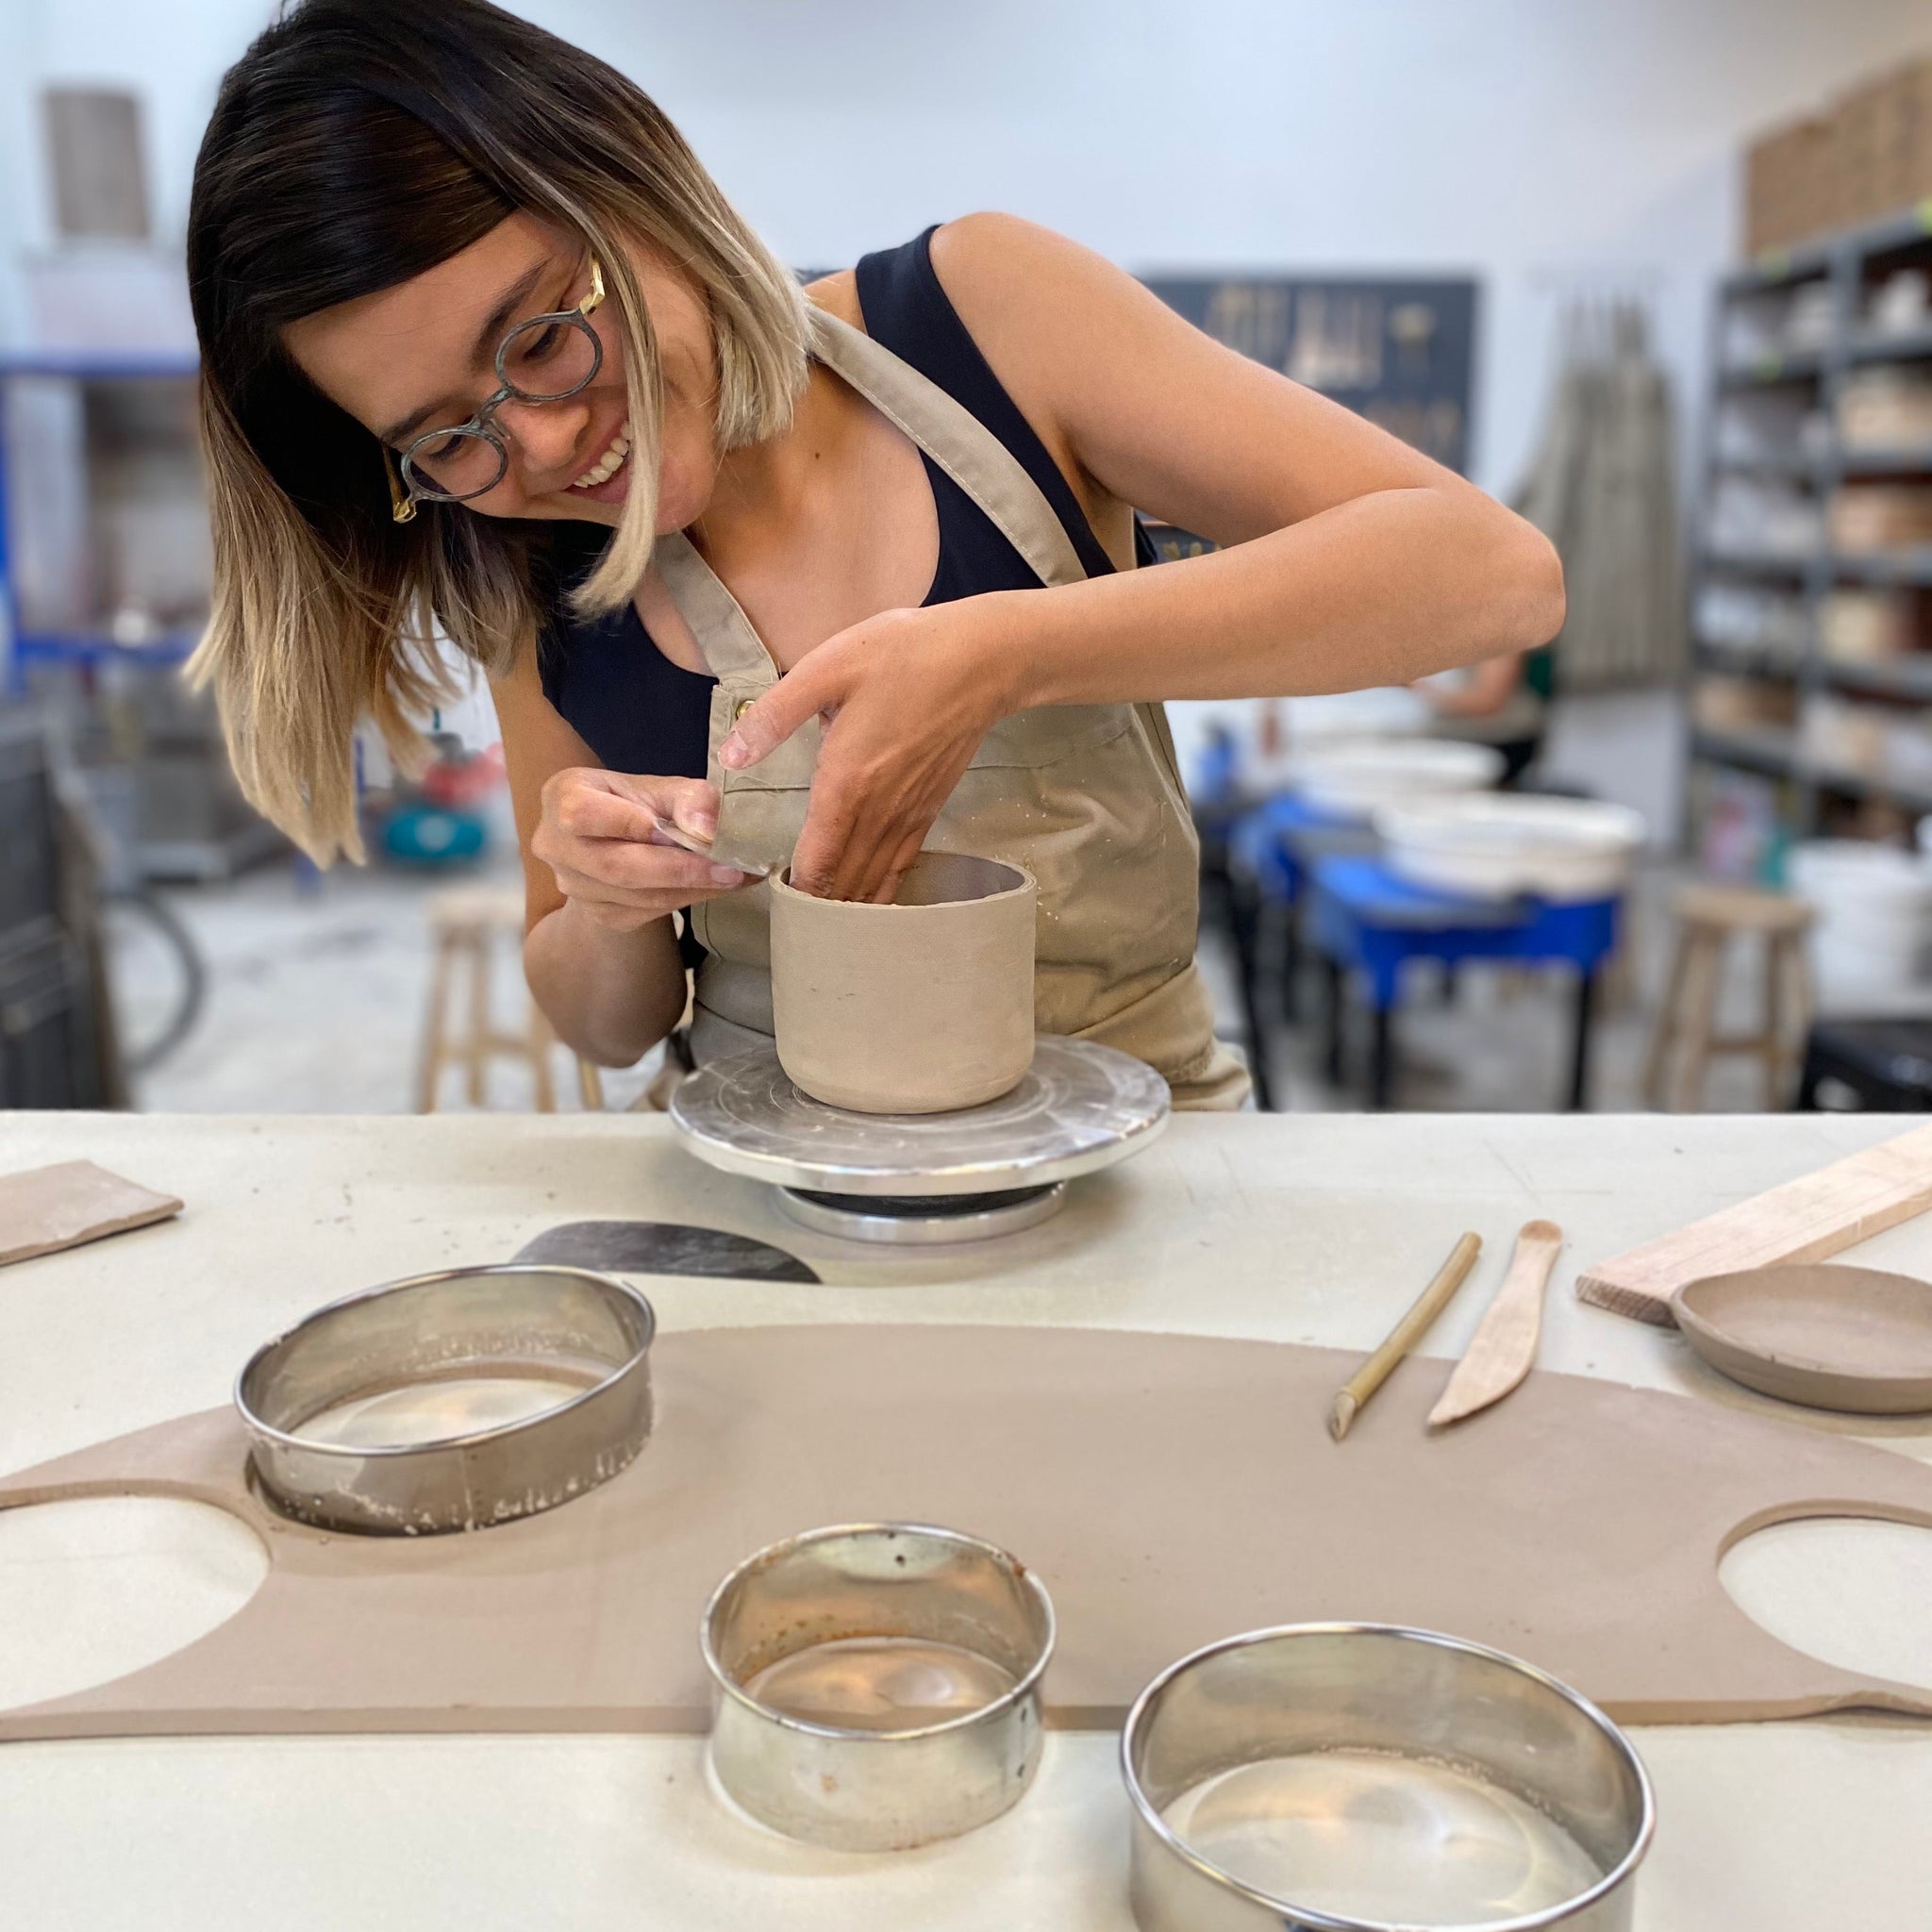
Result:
47,1208
1170,1490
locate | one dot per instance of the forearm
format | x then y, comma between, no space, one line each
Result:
610,995
1379,590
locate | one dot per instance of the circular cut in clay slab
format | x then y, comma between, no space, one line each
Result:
1848,1591
925,1005
1078,1108
1855,1340
94,1586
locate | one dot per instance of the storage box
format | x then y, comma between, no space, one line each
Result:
1866,158
1786,186
1886,408
1868,517
1859,626
1723,704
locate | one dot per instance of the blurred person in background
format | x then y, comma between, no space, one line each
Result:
1504,702
486,352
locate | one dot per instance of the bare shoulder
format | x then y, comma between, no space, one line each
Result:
989,255
1024,292
1040,307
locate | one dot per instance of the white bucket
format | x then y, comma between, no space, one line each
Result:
1564,849
1873,935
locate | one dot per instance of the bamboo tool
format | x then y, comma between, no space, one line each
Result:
1355,1392
1809,1219
1503,1348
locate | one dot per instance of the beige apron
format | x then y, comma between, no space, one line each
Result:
1087,797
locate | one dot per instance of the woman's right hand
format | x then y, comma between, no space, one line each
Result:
599,833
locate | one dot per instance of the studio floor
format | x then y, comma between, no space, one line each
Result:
318,988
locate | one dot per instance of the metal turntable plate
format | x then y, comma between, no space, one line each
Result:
1080,1106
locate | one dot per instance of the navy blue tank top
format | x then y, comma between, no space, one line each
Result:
640,712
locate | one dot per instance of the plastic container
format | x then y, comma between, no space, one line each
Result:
1872,942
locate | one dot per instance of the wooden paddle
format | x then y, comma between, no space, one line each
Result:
1504,1347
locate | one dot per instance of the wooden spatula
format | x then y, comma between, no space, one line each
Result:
1503,1348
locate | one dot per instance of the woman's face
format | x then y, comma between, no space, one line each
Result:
421,355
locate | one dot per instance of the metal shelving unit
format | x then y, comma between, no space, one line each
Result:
1845,265
21,643
173,804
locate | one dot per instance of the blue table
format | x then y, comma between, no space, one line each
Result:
1367,921
1266,844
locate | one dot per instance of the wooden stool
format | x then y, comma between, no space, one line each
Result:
1707,917
467,921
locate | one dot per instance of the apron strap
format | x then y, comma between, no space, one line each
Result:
946,430
957,440
725,635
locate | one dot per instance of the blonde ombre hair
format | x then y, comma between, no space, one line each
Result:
355,144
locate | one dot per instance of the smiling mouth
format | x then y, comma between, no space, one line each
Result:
607,465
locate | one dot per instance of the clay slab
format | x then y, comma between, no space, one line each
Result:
1170,1490
47,1208
1858,1339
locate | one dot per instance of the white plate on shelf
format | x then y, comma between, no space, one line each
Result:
1565,849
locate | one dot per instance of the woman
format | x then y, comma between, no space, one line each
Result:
485,350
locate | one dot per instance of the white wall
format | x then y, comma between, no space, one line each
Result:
1534,141
1541,144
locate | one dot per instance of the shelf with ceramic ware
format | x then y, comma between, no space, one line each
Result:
1908,567
1777,755
1808,465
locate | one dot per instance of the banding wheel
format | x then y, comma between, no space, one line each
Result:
916,1179
920,1220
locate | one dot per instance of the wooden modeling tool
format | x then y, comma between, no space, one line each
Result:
1355,1392
1503,1349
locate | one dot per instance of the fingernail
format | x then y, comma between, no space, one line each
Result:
733,753
704,821
726,876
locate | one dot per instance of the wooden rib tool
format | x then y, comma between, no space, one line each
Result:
1504,1347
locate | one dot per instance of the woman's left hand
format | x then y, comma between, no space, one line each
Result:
906,696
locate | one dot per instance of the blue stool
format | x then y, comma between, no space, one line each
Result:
1366,920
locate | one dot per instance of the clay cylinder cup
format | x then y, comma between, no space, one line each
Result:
925,1005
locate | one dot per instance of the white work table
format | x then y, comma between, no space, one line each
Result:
1316,1228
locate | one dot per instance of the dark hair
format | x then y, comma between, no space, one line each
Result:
354,146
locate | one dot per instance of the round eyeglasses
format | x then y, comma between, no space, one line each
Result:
541,360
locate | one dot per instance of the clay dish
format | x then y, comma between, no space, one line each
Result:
925,1005
1858,1339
